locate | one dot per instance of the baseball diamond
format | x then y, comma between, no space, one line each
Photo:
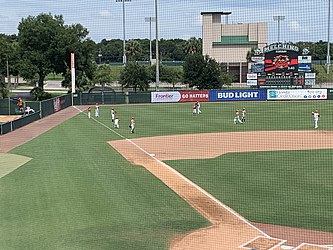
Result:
85,188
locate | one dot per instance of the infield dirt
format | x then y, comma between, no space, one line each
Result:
229,229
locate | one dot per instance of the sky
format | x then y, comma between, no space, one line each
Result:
305,20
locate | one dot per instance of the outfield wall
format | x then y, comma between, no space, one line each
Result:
242,95
51,106
42,109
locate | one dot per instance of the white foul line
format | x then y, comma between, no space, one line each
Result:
183,177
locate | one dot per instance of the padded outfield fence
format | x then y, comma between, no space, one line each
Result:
112,98
42,109
8,106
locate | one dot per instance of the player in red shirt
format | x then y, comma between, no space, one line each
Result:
89,112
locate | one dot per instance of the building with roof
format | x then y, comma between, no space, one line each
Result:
230,43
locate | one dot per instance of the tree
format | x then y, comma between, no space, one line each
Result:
193,68
111,50
8,54
193,46
168,74
211,75
135,76
45,46
38,38
133,50
103,75
3,89
204,72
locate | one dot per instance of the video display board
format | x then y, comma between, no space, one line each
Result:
281,61
281,65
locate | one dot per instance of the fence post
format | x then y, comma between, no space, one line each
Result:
9,106
40,108
126,97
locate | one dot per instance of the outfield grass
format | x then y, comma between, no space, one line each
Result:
78,193
168,119
291,188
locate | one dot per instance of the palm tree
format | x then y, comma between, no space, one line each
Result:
193,46
133,50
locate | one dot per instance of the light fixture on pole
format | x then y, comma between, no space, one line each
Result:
124,37
328,56
150,20
157,52
278,19
8,75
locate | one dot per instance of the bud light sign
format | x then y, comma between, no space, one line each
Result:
237,95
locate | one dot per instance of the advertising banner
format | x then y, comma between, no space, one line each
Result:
251,82
304,59
306,67
237,95
252,76
310,81
180,96
258,59
296,94
257,68
192,96
170,96
310,75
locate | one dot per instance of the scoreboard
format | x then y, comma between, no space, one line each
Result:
281,66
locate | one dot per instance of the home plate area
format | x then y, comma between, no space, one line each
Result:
265,243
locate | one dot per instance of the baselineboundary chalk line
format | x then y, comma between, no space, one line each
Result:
181,176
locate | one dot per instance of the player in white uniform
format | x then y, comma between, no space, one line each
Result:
316,116
198,107
116,122
236,119
132,125
96,110
113,114
194,108
243,115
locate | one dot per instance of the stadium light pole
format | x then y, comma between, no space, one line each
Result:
278,19
157,52
328,56
150,20
124,37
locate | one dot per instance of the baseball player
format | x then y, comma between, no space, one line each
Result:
20,104
113,114
236,119
116,122
96,110
194,109
198,107
243,115
89,112
132,125
316,116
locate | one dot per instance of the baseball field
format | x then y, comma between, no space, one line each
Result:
86,185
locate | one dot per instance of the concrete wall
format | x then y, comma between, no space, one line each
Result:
213,30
